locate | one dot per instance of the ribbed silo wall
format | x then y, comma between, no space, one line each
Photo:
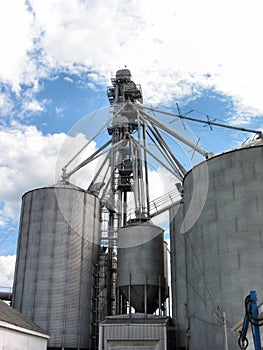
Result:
141,265
216,247
57,250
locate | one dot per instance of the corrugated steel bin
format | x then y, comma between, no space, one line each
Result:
57,250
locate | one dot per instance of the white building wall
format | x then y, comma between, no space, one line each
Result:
13,339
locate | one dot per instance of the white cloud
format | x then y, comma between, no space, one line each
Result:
172,48
16,40
33,106
7,268
70,155
28,160
60,111
6,104
69,79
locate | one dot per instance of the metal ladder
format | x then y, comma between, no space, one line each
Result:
103,271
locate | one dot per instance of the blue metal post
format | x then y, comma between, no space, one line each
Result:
254,324
251,317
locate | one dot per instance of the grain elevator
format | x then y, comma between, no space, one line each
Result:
93,265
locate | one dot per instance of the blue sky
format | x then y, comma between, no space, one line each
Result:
57,58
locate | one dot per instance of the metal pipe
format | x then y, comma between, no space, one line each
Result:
109,263
134,169
137,181
106,187
225,331
176,135
169,151
124,208
165,208
98,172
142,189
120,209
146,170
101,336
116,94
145,295
159,295
179,177
164,155
129,294
117,300
107,184
86,161
121,303
208,122
169,303
169,156
87,144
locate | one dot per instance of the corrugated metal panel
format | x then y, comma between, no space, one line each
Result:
130,335
55,260
219,259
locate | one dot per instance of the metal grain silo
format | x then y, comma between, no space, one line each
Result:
57,250
141,266
216,246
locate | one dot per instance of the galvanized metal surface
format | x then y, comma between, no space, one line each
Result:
141,265
218,258
57,247
134,332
